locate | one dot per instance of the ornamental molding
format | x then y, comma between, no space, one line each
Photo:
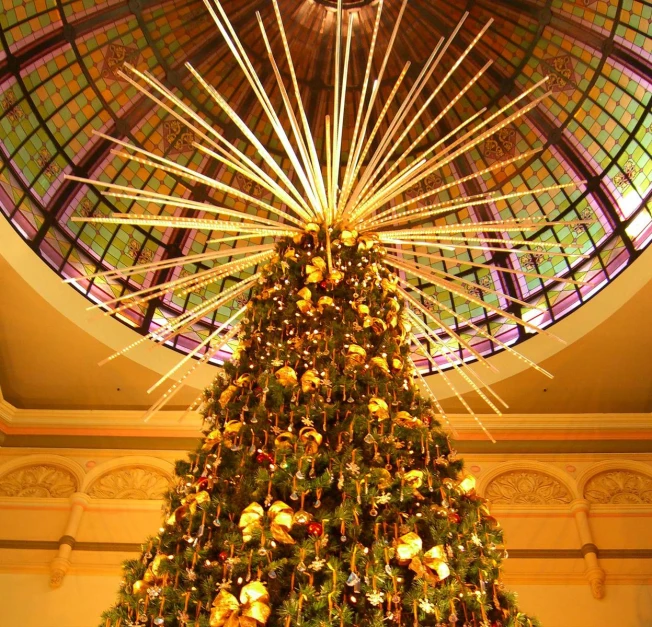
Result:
131,483
527,487
617,482
528,483
39,480
40,476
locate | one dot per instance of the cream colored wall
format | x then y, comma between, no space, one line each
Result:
553,585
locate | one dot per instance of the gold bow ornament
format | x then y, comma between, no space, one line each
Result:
431,565
310,381
379,363
378,408
152,576
251,610
311,440
189,504
286,376
316,270
355,355
280,515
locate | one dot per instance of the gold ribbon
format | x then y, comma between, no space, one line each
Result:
315,270
349,238
432,566
284,441
378,408
227,395
251,610
377,325
405,419
380,363
408,546
286,376
189,504
150,578
280,516
311,439
310,381
356,355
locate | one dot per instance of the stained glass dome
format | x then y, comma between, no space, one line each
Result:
60,80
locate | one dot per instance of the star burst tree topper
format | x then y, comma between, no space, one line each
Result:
361,198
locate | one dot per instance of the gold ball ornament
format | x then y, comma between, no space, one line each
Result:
414,478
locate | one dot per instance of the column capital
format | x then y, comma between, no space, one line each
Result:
580,505
80,498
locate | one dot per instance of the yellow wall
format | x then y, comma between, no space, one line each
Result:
543,534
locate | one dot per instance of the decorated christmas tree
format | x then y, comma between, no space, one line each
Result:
325,491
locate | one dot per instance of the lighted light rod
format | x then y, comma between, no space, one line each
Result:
450,288
483,333
463,202
442,325
155,84
435,400
359,159
302,207
450,385
363,97
399,119
351,204
239,53
453,362
435,163
172,262
437,119
392,184
195,350
180,222
452,277
316,166
167,331
494,166
169,286
476,264
288,107
492,240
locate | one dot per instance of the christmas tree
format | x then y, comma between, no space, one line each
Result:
325,491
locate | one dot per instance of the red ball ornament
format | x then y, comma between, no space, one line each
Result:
323,285
315,529
264,458
202,483
455,517
223,555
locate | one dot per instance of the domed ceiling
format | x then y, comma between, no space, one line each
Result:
59,82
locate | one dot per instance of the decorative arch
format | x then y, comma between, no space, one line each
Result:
40,476
617,483
133,478
527,483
